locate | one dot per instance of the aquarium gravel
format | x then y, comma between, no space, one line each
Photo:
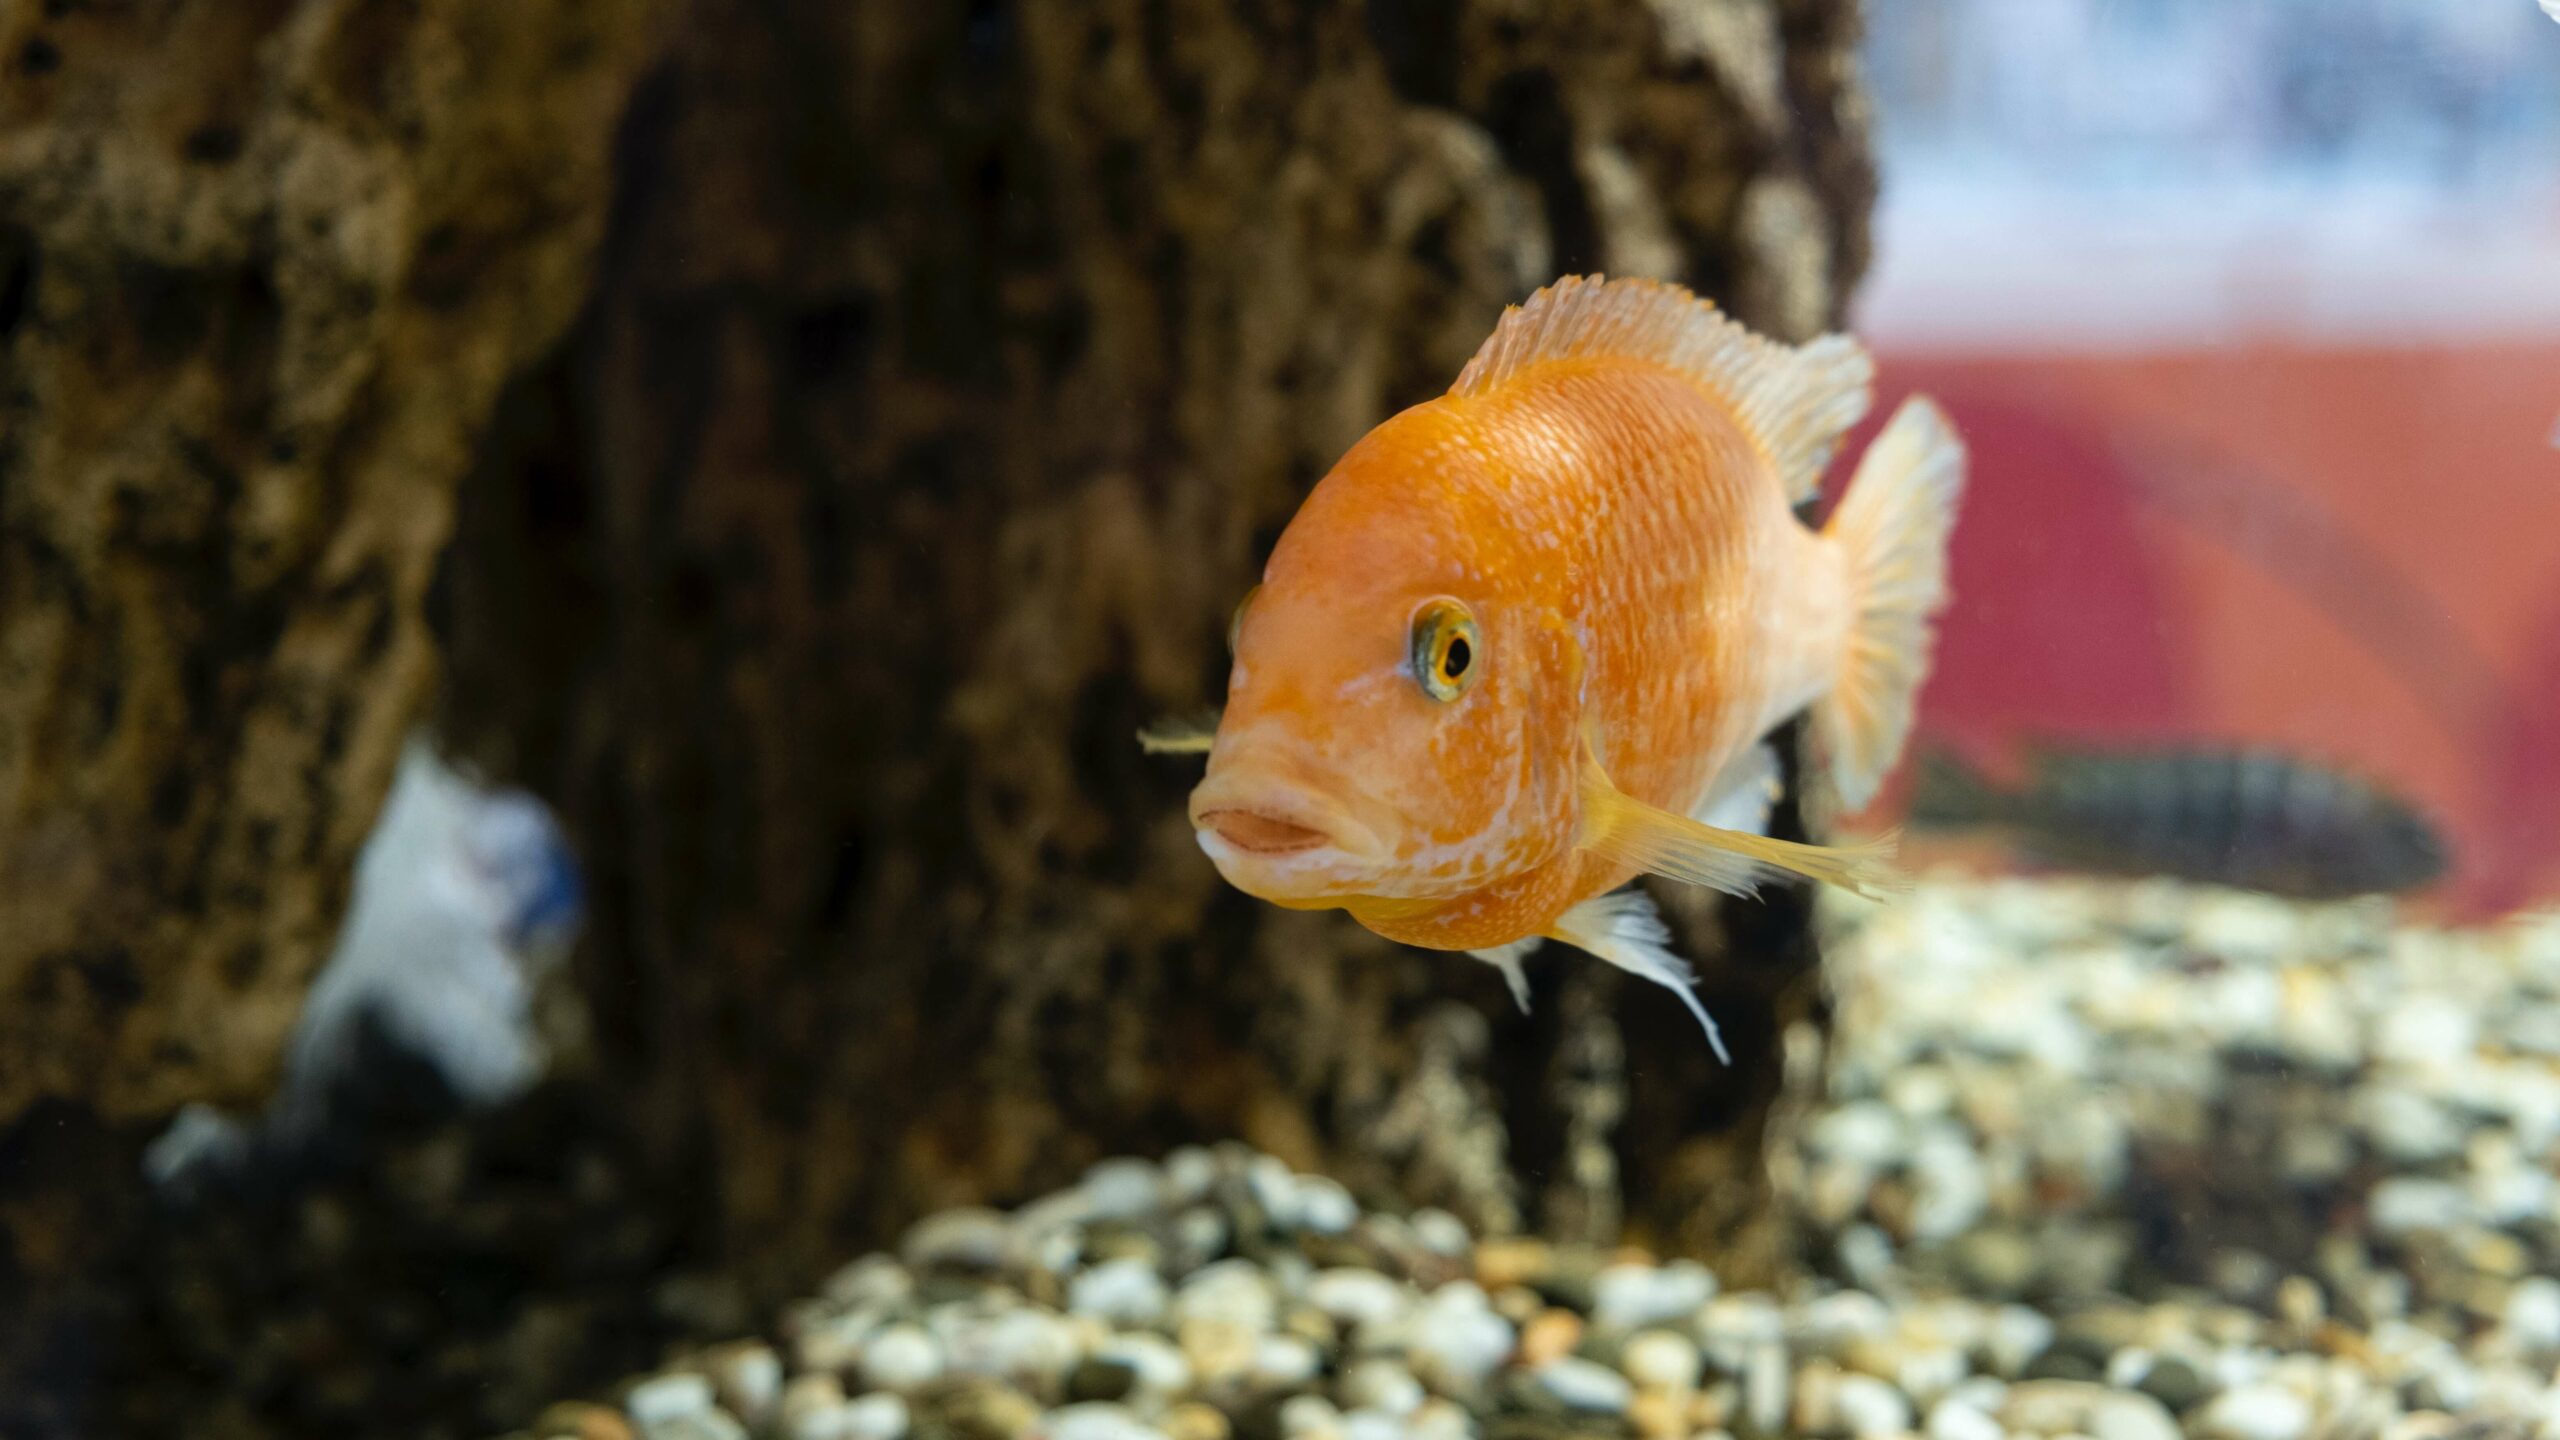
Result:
2127,1162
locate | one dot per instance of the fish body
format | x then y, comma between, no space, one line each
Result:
1524,641
2252,819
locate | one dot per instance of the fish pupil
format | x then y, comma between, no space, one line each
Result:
1454,663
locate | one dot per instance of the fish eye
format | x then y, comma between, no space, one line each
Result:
1447,652
1235,622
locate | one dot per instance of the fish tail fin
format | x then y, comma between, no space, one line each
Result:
1892,528
1947,792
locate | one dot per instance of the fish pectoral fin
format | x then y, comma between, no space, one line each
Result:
1507,958
1623,830
1745,793
1180,735
1625,930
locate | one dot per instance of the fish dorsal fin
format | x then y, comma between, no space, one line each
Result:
1794,401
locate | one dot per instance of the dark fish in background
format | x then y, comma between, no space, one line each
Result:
2249,819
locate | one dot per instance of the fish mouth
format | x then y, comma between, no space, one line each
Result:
1270,834
1256,833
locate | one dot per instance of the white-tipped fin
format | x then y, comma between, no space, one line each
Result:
1795,402
1744,794
1625,930
1623,830
1892,528
1507,958
1185,735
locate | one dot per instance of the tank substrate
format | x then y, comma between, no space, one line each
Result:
2117,1161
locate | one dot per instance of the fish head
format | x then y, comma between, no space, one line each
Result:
1400,713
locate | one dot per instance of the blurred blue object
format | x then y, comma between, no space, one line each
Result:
465,898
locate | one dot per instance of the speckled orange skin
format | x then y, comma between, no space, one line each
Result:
1629,556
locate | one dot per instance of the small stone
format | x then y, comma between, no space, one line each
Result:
1274,1187
1439,1420
1869,1406
1195,1421
1457,1339
1158,1362
1765,1388
2174,1382
1586,1385
873,1281
1659,1414
1827,1325
1549,1336
1309,1417
1095,1380
1627,1296
1096,1421
2063,1366
578,1420
1503,1263
813,1407
2531,1315
2254,1412
1661,1360
875,1417
1324,1207
1124,1188
662,1398
1032,1347
967,1238
1996,1262
900,1357
1371,1425
748,1378
2406,1203
1188,1173
1952,1420
1282,1361
1123,1292
1234,1291
1439,1232
1381,1385
1356,1297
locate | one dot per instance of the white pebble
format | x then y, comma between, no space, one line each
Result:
1869,1406
1324,1207
1356,1297
2426,1030
2407,1202
1660,1360
1127,1291
1158,1364
1122,1189
2532,1313
1280,1361
662,1398
873,1280
1440,1232
1096,1420
1275,1189
1188,1173
2017,1336
1308,1417
1032,1345
1234,1291
1586,1385
969,1237
875,1417
2255,1412
1458,1340
901,1357
749,1379
1952,1420
1381,1385
1828,1324
814,1408
1627,1296
1371,1425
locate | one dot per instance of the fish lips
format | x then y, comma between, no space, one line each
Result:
1281,839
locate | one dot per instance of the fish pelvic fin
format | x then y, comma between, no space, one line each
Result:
1793,401
1625,930
1180,735
1892,529
1622,830
1507,958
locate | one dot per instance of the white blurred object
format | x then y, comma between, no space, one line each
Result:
465,898
2551,8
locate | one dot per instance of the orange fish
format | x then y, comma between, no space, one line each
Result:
1526,641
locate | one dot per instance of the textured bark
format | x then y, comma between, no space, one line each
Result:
265,266
948,378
